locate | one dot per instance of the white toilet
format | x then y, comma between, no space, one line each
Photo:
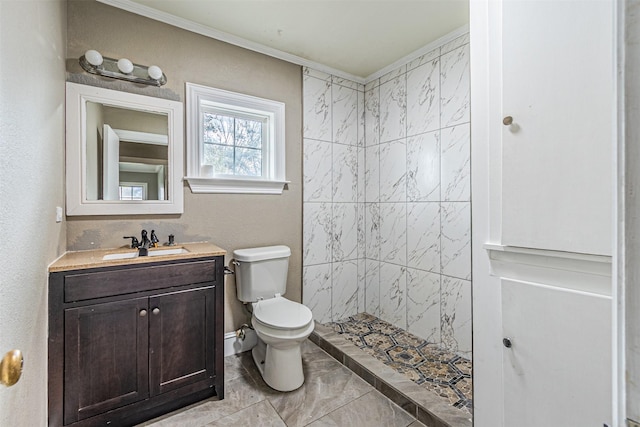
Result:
281,325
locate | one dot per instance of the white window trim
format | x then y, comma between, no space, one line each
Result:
275,183
142,137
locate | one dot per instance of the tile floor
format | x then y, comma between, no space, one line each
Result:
331,396
439,371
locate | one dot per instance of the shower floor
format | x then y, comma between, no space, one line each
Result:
439,371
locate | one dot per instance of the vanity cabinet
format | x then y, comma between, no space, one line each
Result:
105,358
131,342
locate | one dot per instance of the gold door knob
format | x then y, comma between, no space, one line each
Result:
507,121
11,367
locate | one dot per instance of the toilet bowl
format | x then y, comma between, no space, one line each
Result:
280,324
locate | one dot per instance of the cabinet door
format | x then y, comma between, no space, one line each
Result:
557,371
106,357
558,85
181,339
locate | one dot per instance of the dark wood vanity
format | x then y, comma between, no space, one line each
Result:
129,341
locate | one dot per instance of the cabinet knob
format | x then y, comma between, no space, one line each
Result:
507,121
11,368
156,310
507,342
143,313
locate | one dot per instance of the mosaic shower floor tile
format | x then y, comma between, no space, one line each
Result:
438,370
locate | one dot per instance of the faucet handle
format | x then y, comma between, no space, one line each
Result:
134,241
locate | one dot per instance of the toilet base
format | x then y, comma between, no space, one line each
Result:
281,368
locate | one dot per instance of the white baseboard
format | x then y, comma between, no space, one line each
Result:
234,345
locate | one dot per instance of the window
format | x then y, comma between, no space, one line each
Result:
233,145
235,142
133,190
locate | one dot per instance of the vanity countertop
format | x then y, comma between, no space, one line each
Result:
78,260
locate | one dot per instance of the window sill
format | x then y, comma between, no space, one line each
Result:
235,186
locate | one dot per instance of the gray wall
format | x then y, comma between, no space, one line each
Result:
32,52
230,221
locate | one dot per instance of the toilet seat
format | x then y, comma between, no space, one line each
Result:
280,313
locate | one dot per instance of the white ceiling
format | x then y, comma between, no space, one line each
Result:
356,37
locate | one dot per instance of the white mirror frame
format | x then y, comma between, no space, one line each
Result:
76,137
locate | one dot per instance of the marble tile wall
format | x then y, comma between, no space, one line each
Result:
387,197
334,273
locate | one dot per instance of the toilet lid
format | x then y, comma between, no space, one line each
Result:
281,313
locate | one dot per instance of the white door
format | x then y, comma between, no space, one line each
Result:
111,164
557,371
558,76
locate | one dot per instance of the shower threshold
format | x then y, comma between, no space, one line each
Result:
364,344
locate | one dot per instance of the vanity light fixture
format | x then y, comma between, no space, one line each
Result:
125,66
93,62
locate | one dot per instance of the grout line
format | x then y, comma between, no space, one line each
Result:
379,222
440,133
333,189
339,407
406,201
274,409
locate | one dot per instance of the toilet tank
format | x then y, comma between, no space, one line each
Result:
261,272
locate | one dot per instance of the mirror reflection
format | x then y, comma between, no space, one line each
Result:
126,154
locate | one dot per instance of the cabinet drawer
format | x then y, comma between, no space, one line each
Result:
98,284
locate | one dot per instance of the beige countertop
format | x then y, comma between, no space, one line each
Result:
93,258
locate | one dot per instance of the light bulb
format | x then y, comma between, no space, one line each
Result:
155,72
125,65
93,57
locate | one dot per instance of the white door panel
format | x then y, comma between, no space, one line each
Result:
558,369
557,156
111,164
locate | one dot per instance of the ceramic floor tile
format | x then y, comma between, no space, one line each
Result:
246,360
329,387
240,393
319,395
233,367
261,414
372,409
317,363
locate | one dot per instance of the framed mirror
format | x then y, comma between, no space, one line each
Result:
124,153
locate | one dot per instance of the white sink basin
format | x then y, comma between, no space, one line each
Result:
152,253
125,255
172,251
